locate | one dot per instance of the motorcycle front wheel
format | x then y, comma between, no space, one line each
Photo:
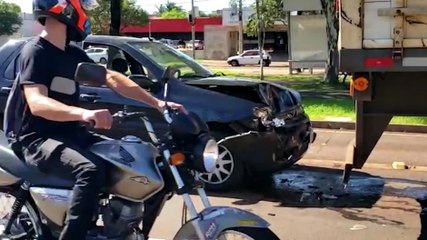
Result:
27,225
245,233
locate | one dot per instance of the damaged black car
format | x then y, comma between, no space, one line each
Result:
261,126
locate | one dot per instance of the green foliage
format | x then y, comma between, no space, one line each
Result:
270,12
167,7
174,13
131,15
10,18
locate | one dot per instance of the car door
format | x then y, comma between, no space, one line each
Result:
94,97
249,58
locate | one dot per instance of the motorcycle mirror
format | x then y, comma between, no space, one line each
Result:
169,73
90,73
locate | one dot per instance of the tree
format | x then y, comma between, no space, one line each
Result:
116,14
10,18
174,13
271,11
332,29
171,10
167,7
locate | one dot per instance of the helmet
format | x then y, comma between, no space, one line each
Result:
72,13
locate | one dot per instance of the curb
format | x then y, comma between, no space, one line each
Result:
341,164
352,126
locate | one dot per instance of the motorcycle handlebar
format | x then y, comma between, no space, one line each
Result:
118,116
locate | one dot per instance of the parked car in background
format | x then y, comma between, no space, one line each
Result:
198,44
99,55
249,57
169,42
180,43
261,126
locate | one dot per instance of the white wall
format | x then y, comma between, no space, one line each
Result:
218,42
308,38
302,5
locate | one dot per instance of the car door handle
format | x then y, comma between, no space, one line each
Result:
6,90
90,97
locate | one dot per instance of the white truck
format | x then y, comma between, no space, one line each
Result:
383,45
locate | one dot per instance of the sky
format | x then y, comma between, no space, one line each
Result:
150,5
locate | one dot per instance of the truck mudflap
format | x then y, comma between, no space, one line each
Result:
214,220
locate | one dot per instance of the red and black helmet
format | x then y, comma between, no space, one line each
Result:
70,12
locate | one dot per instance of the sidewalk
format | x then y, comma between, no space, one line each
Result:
392,147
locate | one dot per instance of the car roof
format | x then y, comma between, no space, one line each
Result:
107,39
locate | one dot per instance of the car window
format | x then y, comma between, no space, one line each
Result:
12,69
120,61
251,53
164,56
89,51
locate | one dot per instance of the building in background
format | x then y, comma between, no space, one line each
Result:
175,29
30,27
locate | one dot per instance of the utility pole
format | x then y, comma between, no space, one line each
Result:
260,47
193,28
240,26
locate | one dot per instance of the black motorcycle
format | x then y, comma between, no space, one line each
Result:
143,177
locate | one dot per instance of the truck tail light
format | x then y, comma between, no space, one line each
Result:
359,84
379,62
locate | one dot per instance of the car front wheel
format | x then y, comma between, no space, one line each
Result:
228,174
234,63
103,61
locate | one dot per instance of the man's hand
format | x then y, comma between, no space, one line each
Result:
102,118
175,106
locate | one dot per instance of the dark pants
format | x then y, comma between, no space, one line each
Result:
67,157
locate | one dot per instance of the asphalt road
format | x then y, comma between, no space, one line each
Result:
308,201
378,205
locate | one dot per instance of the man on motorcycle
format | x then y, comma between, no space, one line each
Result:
50,135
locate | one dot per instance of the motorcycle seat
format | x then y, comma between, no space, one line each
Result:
18,168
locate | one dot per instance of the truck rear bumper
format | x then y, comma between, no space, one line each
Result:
380,60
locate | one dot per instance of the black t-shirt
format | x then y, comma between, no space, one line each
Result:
44,63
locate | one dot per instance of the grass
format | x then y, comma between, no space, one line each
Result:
297,82
324,101
324,109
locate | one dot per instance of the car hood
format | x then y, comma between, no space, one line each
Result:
232,58
277,96
218,99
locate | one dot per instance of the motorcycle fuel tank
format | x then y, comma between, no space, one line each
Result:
134,174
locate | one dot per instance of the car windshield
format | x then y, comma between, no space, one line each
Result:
165,56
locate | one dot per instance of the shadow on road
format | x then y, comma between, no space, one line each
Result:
303,186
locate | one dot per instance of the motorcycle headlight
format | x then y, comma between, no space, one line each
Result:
205,154
210,155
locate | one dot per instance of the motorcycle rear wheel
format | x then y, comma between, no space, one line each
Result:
28,220
246,233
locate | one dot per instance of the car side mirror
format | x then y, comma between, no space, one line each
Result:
90,73
143,81
170,72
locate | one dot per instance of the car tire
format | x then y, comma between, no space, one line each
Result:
103,61
228,175
266,63
234,63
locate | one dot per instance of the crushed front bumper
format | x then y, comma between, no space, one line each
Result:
272,150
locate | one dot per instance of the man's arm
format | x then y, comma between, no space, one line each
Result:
127,88
41,105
